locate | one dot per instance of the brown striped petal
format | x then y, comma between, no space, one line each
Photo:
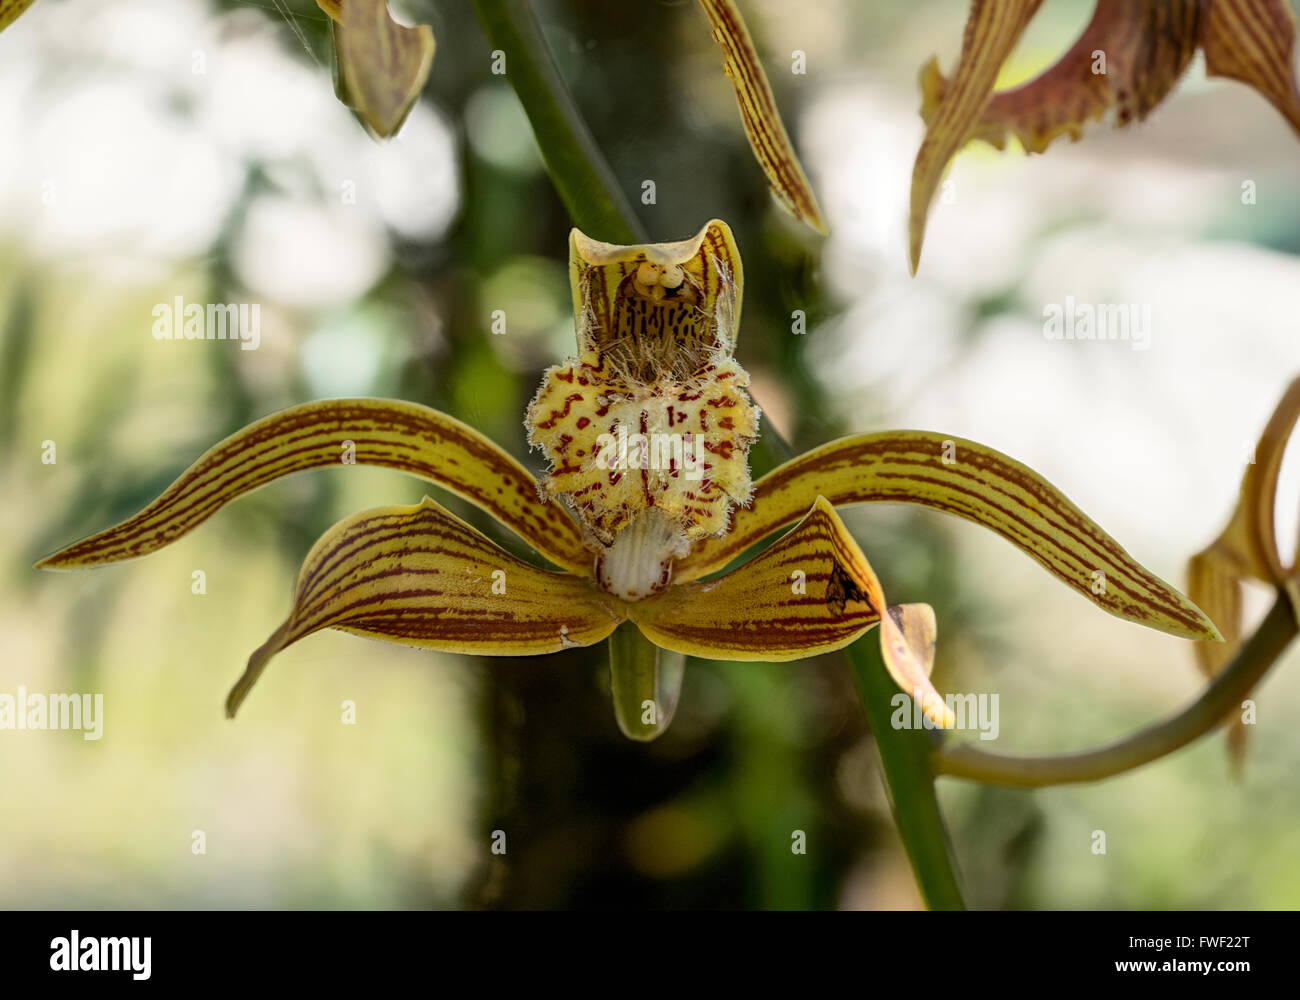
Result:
811,592
420,576
992,30
763,126
381,65
10,9
1254,41
1146,45
390,433
967,479
1246,549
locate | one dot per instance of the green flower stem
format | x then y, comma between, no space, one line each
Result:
1223,696
581,175
906,756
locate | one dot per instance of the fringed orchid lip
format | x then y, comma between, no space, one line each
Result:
634,558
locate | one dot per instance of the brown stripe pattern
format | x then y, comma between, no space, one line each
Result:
976,483
420,576
767,135
1147,46
10,9
388,433
1254,41
992,31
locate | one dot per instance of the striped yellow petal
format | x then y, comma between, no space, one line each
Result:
1246,549
763,126
381,65
1254,41
811,592
992,30
972,481
390,433
908,634
420,576
10,9
1146,45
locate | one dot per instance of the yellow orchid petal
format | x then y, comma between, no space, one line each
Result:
647,431
908,634
811,592
420,576
1146,45
390,433
1254,41
1246,549
1214,583
767,135
10,9
992,31
382,65
974,482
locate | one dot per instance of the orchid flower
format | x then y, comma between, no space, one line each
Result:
1127,60
1247,549
635,542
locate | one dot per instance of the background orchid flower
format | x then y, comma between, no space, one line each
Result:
1247,549
1128,58
634,541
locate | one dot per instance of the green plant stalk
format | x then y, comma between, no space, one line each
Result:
906,756
581,175
1224,695
645,683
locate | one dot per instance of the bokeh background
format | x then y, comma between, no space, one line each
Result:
156,148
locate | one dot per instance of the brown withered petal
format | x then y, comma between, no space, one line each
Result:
1254,41
1146,45
382,65
420,576
767,135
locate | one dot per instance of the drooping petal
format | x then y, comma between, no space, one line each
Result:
389,433
908,633
381,65
1127,59
10,9
1246,549
421,576
1254,41
992,30
974,482
767,136
811,592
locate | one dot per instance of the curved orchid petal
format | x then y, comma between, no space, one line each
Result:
389,433
973,482
992,31
811,592
1246,549
10,9
767,136
420,576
